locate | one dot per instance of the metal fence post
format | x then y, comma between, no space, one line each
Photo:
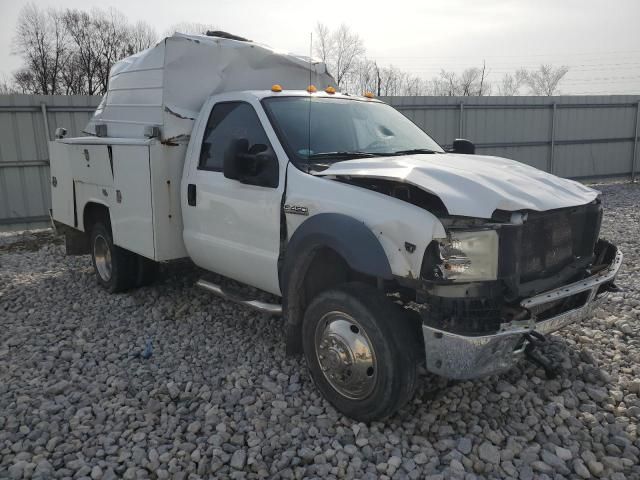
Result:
551,166
43,107
635,144
461,121
47,134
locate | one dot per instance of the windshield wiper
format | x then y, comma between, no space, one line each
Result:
340,155
413,150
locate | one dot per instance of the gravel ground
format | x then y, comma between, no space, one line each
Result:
218,398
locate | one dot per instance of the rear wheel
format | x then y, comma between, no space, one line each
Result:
361,350
116,268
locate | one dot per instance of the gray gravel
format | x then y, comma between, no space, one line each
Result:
218,397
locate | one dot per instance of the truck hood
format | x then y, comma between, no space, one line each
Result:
472,185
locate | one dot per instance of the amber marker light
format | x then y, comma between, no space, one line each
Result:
368,94
276,88
330,90
312,89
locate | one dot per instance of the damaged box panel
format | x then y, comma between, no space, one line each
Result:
166,85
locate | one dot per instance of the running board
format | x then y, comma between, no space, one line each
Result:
272,308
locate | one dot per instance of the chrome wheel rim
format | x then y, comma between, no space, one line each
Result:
102,257
345,355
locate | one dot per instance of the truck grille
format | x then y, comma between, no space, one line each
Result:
553,240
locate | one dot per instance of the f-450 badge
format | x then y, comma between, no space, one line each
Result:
296,210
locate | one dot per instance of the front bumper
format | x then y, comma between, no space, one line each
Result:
465,357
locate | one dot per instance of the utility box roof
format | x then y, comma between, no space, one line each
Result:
166,85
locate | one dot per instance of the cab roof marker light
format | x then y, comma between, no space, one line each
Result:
276,88
368,94
312,89
330,90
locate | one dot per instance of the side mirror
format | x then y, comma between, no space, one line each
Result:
231,165
462,145
253,166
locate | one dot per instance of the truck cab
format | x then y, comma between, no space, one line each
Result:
385,251
232,189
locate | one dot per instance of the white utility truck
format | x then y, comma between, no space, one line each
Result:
386,250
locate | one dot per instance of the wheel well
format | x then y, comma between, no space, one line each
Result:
326,269
319,269
94,212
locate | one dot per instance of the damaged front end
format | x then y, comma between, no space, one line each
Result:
489,287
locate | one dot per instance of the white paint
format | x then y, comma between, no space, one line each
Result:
393,221
166,174
234,229
148,220
473,185
62,192
132,216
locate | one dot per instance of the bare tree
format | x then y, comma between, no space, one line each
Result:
82,30
366,76
41,40
112,35
511,83
192,28
449,84
323,42
348,47
100,38
141,36
6,87
72,51
468,80
25,81
413,86
60,48
545,80
389,80
386,81
340,50
471,82
484,87
72,78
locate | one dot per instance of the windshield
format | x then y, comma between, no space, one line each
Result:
342,129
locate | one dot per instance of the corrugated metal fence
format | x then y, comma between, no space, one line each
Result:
576,137
571,136
27,122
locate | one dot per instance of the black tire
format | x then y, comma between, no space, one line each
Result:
122,272
394,342
147,271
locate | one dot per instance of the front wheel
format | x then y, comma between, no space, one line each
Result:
361,350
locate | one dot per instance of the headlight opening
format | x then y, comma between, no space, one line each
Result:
464,255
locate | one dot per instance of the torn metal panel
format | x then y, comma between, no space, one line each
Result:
184,115
166,85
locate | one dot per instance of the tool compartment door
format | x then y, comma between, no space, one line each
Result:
131,210
62,183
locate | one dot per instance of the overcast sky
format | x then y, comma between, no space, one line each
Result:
598,40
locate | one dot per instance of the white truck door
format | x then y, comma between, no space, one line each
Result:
231,228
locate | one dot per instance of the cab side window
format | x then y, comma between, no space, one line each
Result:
228,122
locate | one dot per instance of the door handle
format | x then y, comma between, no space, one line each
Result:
191,194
